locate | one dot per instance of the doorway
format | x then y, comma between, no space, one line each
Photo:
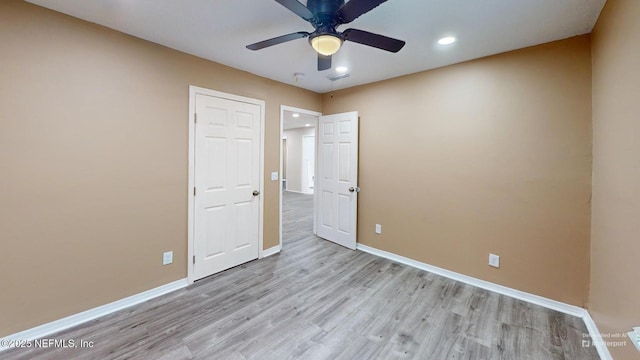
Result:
319,183
298,134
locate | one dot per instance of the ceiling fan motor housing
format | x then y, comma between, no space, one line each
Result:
325,20
325,11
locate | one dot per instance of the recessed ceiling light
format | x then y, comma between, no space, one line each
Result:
296,115
307,124
447,40
342,69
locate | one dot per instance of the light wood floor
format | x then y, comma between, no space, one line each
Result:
317,300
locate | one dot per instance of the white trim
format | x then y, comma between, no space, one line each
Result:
284,108
271,251
91,314
191,182
596,338
263,125
193,91
298,192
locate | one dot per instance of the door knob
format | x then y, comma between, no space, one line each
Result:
356,189
256,192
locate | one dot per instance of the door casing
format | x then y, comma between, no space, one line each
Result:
284,108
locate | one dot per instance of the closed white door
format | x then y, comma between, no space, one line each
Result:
227,180
337,178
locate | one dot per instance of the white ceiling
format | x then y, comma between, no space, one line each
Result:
219,30
302,120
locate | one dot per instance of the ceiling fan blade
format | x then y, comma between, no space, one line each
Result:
277,40
375,40
354,8
297,8
324,62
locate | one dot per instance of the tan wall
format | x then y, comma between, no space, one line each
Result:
495,157
492,155
615,252
93,161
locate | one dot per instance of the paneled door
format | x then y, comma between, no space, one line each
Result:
227,184
337,178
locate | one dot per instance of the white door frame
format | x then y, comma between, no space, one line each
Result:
284,108
193,91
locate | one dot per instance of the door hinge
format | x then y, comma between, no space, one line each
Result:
194,191
195,117
194,259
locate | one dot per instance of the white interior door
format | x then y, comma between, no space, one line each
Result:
227,184
337,178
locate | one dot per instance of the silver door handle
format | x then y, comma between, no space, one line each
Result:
356,189
256,192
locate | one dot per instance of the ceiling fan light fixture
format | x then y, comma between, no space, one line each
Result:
326,45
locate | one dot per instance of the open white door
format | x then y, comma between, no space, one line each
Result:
337,178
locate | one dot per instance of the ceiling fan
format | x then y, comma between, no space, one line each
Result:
326,16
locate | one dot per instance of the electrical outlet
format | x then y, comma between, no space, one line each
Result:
378,229
167,258
274,176
494,260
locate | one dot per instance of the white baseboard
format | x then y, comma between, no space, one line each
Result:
573,310
596,337
271,251
91,314
298,192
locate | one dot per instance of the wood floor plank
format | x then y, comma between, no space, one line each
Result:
318,300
